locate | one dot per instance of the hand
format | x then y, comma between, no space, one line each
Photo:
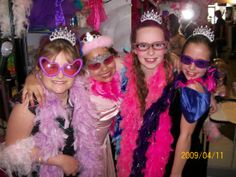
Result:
32,88
69,164
213,107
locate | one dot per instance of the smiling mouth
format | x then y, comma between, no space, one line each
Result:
150,60
106,75
59,82
191,74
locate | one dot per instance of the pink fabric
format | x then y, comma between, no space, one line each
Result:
158,152
101,41
210,82
97,14
109,90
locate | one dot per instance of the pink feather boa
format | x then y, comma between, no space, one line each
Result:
110,90
160,147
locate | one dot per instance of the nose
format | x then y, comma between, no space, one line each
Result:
150,50
60,75
192,66
104,67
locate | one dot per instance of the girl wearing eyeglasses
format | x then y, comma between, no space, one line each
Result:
195,84
44,141
146,138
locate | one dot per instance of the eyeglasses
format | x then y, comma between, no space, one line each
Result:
96,63
143,46
52,69
187,60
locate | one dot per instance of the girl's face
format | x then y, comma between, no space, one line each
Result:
60,83
150,47
101,64
198,52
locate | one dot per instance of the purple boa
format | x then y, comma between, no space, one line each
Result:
50,137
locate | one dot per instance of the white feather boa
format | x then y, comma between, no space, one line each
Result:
4,19
21,10
11,157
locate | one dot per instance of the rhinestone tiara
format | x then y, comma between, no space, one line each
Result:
151,15
205,31
63,34
89,37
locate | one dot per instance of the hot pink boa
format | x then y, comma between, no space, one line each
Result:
97,14
160,147
110,90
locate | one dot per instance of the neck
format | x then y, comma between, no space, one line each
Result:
63,97
148,72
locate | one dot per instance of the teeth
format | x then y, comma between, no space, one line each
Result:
59,82
150,59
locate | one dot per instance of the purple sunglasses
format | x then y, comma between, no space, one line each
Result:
187,60
52,69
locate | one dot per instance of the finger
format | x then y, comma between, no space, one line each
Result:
40,95
31,98
24,95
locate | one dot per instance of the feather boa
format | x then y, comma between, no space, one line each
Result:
4,19
51,138
97,14
21,10
11,157
160,141
110,90
209,80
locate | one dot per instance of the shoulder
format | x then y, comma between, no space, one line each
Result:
17,100
197,87
20,123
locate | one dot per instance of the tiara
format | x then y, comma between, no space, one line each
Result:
63,34
151,15
205,31
89,37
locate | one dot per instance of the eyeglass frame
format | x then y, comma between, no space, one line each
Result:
135,45
99,60
59,67
195,61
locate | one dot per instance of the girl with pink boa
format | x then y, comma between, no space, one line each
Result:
146,138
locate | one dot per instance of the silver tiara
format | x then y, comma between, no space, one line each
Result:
205,31
151,15
63,34
89,37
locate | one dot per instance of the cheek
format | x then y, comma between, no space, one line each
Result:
94,73
201,72
112,66
162,52
70,81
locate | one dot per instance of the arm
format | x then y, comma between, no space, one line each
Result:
32,87
213,107
183,146
19,129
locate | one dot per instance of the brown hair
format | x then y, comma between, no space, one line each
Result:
140,82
